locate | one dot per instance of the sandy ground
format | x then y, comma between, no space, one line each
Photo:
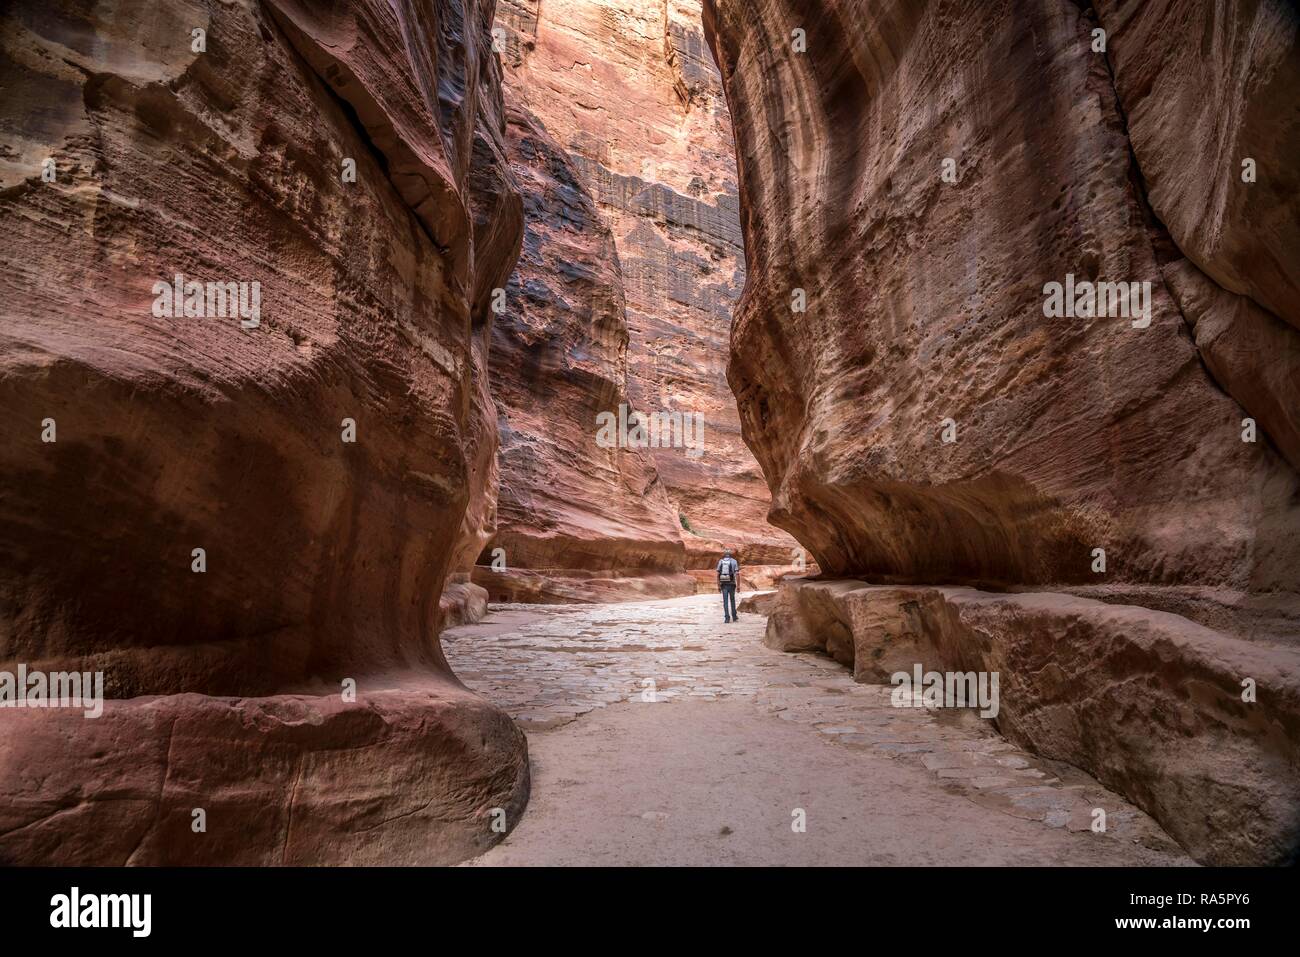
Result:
661,736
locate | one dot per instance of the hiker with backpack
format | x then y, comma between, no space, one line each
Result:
728,578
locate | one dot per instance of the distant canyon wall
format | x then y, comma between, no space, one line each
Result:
580,517
625,92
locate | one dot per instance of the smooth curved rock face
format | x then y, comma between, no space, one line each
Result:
558,359
1186,73
1150,703
925,303
1206,88
626,89
324,558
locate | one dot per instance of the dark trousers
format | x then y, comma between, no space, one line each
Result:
729,601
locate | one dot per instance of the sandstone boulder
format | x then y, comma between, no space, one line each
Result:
759,603
404,776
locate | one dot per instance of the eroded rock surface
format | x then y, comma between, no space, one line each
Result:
913,176
627,91
1222,81
400,777
925,298
322,559
572,511
1150,703
1186,72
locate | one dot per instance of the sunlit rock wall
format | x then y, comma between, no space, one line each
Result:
628,91
579,517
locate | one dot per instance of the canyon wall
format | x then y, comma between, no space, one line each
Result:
914,177
923,418
577,520
625,90
236,517
1226,82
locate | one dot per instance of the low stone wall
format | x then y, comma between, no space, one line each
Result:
1148,702
401,776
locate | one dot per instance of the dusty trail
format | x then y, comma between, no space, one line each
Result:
660,735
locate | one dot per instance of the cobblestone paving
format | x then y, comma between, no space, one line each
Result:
548,665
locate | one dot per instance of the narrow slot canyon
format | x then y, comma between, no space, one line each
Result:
391,387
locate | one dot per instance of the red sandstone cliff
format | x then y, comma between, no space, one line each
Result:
915,175
1227,84
925,297
576,520
626,89
323,559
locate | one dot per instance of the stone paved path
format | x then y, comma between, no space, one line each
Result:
658,734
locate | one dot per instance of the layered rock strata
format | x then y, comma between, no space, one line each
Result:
945,383
1226,81
579,517
626,91
1199,729
234,514
911,184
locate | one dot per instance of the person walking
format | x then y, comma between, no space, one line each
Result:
728,578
